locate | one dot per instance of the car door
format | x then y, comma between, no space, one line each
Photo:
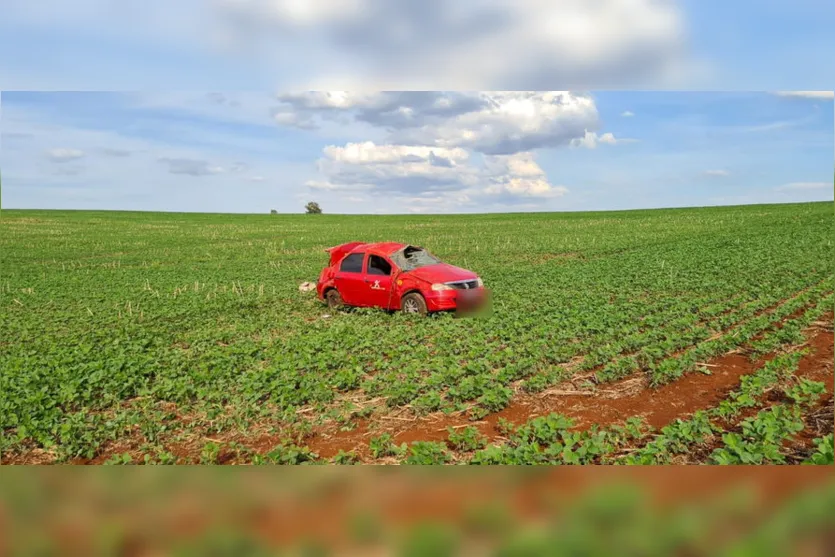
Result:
378,271
350,280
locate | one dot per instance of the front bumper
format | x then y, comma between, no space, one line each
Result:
461,300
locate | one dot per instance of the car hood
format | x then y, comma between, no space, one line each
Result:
442,272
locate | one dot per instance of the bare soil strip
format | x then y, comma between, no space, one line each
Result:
404,414
604,407
377,404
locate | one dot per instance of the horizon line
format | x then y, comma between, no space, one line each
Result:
422,214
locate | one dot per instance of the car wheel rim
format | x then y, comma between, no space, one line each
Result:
411,306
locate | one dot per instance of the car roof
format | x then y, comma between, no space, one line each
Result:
386,248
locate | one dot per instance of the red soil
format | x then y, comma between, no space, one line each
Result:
610,405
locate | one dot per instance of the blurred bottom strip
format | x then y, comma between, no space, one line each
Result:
418,511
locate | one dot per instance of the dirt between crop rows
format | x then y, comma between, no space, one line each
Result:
410,428
606,406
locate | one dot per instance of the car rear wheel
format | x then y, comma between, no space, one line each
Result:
413,303
334,299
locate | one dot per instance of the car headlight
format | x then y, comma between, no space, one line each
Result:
479,282
437,287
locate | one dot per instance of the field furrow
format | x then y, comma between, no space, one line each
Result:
174,338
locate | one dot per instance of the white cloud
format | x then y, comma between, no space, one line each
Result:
796,186
63,154
368,152
400,169
435,138
491,122
256,178
511,122
717,172
421,175
330,99
492,44
519,175
808,94
627,114
591,140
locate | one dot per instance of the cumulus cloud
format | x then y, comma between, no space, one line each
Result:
717,172
455,146
368,152
392,109
471,144
422,175
193,167
495,44
402,169
511,122
519,175
492,122
64,155
590,140
808,94
627,114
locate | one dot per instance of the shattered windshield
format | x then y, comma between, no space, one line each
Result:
412,258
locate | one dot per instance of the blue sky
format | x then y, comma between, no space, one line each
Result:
431,152
255,145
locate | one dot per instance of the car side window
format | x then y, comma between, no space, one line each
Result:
378,266
352,263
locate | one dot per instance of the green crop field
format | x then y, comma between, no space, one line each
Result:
177,338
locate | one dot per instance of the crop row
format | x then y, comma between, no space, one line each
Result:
550,440
491,389
150,332
672,368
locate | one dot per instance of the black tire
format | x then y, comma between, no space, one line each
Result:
413,303
334,299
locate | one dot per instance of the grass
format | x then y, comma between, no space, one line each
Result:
156,333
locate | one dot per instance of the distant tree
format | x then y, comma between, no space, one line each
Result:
273,212
313,208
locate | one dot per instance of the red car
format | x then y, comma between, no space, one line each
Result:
395,276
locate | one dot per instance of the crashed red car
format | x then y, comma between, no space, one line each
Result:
395,276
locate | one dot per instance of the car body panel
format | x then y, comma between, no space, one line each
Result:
371,289
443,272
338,252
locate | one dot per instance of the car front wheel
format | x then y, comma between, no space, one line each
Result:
413,303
